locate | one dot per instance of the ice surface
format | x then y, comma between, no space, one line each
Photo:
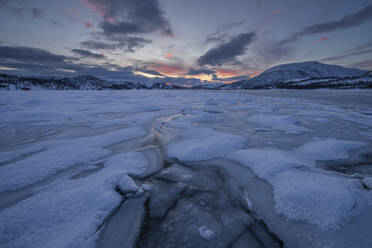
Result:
285,123
198,144
301,193
68,212
206,233
300,162
367,181
127,185
59,156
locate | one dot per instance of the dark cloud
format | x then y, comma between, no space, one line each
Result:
221,35
227,52
200,71
38,62
18,7
35,61
366,65
362,16
29,55
37,12
126,21
348,55
178,80
152,72
217,37
128,44
98,45
362,49
87,54
268,52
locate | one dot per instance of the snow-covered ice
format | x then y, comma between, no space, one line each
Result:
239,168
127,185
198,144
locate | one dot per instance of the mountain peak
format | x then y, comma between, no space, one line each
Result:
300,71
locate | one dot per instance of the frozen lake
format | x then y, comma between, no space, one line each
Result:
274,168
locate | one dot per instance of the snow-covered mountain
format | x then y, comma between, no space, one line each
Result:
306,75
75,83
295,72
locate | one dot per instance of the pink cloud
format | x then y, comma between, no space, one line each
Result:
324,38
73,14
276,11
88,24
98,8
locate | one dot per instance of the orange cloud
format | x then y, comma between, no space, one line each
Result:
173,71
202,77
223,73
254,74
168,56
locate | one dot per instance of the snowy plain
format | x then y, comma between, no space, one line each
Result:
288,168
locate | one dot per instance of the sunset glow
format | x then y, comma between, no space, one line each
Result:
168,70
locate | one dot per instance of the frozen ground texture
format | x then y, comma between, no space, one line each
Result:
186,169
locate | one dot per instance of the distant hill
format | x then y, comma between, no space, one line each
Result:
298,72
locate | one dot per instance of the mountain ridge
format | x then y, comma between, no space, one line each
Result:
298,72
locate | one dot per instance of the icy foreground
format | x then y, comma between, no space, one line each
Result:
186,169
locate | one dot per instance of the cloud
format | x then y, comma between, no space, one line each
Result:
323,38
97,45
193,72
366,65
87,54
276,11
124,22
152,72
366,45
36,62
227,52
169,70
37,12
230,79
73,14
362,49
88,24
128,44
19,8
220,35
362,16
29,55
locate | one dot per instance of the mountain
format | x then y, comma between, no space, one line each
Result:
296,72
306,75
9,82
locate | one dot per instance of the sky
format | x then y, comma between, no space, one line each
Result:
180,41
